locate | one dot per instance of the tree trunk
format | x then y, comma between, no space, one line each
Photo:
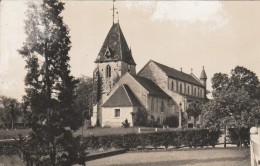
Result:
225,135
53,154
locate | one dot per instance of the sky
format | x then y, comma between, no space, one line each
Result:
181,34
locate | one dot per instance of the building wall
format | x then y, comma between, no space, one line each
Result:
109,119
118,69
185,88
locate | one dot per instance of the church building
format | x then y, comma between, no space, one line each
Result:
159,89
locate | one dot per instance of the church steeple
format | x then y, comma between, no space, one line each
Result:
203,77
115,47
114,58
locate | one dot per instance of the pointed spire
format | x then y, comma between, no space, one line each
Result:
191,70
203,74
115,44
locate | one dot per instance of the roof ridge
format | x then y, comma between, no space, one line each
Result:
188,76
133,75
127,93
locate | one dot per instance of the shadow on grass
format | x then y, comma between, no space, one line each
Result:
193,162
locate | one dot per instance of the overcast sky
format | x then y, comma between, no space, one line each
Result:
216,34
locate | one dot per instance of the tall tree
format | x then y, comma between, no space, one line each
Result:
85,96
50,87
240,77
235,100
9,110
194,109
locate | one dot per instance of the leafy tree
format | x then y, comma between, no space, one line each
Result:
235,100
85,96
98,91
9,110
232,106
50,89
240,78
194,109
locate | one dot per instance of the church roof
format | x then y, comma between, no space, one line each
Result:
150,86
115,47
173,73
123,97
203,74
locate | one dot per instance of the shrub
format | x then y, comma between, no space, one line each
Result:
140,117
171,121
177,138
125,124
239,137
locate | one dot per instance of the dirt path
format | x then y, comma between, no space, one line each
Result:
197,157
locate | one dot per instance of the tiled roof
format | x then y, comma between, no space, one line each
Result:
122,97
115,47
150,86
173,73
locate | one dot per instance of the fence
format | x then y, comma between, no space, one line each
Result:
255,146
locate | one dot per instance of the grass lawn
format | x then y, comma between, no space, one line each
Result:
109,131
194,157
10,161
9,134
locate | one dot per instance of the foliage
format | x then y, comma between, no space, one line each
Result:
235,133
171,121
235,101
240,78
194,109
98,86
125,124
176,138
152,122
9,110
50,88
84,96
140,117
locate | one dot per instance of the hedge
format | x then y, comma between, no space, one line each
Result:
178,138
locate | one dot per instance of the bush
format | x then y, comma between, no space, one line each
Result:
125,124
171,121
239,137
140,117
178,138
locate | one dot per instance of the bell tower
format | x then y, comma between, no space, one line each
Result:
114,58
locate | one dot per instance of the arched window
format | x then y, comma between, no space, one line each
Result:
108,71
180,88
188,90
172,86
195,92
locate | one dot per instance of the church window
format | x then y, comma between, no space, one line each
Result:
108,71
195,92
117,113
188,90
172,86
162,109
180,88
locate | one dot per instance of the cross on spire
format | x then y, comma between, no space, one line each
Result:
191,70
113,11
